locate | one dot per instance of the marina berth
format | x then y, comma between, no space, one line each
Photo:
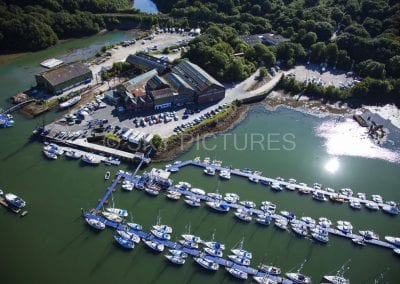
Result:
355,204
393,240
194,202
189,244
214,245
264,219
242,215
336,279
248,204
125,243
112,217
134,226
281,223
127,186
231,197
49,155
73,154
369,235
117,211
14,201
264,280
391,209
191,238
160,234
213,252
163,228
90,159
220,206
288,215
319,196
372,206
225,174
107,175
210,171
358,241
173,195
239,260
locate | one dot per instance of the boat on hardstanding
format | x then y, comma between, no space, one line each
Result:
128,244
237,273
207,264
220,206
175,259
298,278
14,201
70,102
73,154
49,155
213,252
107,175
129,236
117,211
154,245
112,217
270,270
94,223
90,159
179,253
393,240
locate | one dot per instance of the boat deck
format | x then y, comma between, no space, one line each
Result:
5,204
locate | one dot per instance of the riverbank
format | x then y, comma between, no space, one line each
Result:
179,144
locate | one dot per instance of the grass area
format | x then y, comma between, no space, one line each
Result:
113,137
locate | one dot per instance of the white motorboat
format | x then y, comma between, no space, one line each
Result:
300,230
107,175
214,195
117,211
358,241
308,220
248,204
152,191
231,197
319,195
270,270
281,223
264,219
393,240
242,215
372,206
391,209
288,215
160,234
355,204
345,226
173,195
194,202
210,171
276,186
254,178
225,174
264,280
73,154
214,245
126,185
90,159
189,244
324,222
320,235
163,228
135,226
220,206
241,252
49,155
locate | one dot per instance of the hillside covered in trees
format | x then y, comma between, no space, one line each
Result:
358,35
28,25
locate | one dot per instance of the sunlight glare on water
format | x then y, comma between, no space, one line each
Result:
332,165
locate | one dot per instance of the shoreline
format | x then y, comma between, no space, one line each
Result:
272,102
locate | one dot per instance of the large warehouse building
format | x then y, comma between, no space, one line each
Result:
168,85
65,77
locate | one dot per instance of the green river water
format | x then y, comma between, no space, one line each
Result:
54,245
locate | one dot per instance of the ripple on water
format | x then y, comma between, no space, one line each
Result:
347,138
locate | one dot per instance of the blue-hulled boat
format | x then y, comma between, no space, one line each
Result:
128,244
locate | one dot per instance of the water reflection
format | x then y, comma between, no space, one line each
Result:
332,165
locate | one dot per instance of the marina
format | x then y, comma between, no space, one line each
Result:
316,190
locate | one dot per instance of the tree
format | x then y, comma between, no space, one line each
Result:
332,52
309,39
393,67
318,52
343,60
371,68
263,72
156,142
373,26
324,30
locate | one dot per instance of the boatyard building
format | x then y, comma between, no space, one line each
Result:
64,77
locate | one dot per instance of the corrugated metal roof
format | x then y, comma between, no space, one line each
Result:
65,73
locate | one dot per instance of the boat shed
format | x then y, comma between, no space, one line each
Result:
64,77
146,62
207,89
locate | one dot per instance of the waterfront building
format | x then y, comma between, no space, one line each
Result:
146,62
65,77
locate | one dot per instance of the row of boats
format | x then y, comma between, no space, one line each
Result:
305,226
210,256
53,151
318,192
